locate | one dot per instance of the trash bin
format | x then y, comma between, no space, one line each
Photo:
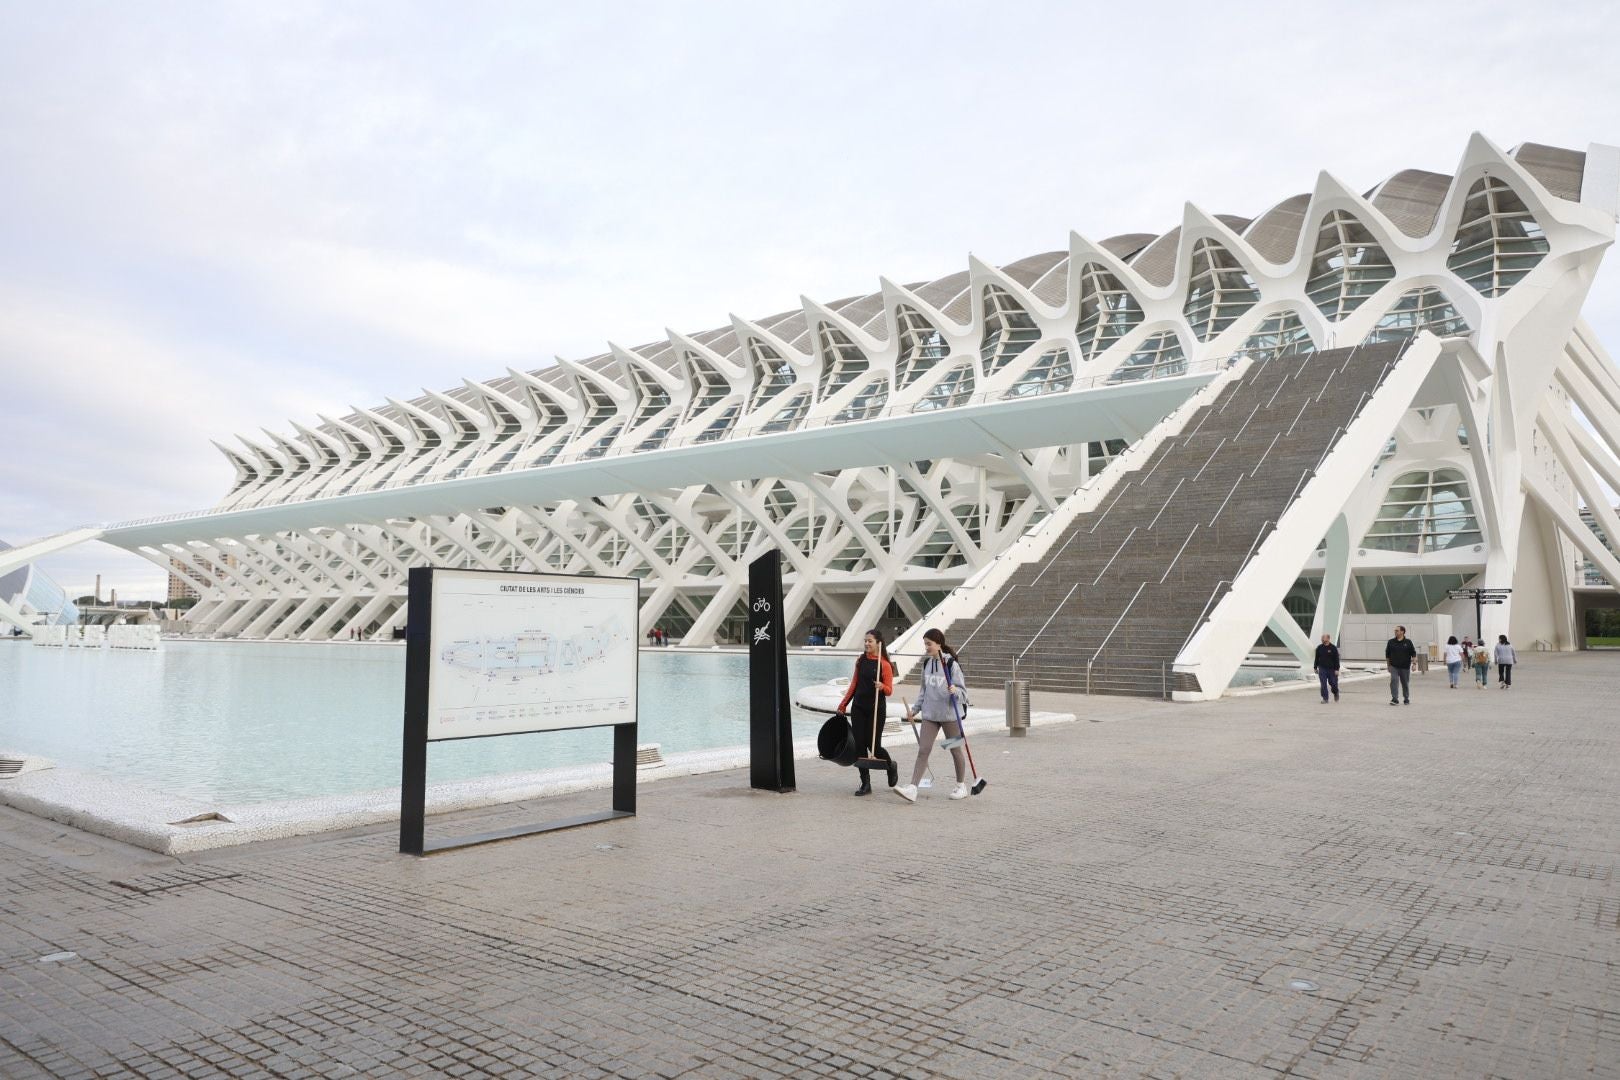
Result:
1017,708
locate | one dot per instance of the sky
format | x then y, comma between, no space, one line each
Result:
222,217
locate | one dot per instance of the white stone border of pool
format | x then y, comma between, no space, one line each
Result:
177,825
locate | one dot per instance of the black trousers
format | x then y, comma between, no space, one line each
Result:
862,726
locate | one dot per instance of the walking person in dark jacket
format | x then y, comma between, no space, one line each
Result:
1399,654
1327,667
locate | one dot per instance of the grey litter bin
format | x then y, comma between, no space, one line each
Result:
1017,708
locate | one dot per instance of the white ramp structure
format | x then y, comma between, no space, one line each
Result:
923,453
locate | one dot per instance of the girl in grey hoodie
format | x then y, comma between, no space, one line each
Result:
941,704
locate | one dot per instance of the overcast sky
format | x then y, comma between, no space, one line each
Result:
218,217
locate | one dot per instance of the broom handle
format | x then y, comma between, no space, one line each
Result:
877,679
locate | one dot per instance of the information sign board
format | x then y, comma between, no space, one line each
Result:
491,653
530,652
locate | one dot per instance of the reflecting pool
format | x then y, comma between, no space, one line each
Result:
245,722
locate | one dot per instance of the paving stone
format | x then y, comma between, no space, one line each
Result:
1128,898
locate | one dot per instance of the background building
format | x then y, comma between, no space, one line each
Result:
911,449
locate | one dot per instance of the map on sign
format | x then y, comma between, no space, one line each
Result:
530,652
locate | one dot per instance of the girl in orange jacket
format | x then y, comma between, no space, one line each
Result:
869,690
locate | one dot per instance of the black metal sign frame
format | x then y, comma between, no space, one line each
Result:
413,773
770,717
1480,597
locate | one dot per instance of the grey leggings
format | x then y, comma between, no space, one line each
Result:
926,730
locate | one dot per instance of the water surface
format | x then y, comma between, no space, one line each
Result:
245,722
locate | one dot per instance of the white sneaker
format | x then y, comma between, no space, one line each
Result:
961,792
908,792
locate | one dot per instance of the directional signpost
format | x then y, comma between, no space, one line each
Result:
1480,597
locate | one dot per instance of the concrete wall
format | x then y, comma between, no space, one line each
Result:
1363,636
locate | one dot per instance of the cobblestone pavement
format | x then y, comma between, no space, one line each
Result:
1126,899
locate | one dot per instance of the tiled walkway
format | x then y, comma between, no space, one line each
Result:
1127,898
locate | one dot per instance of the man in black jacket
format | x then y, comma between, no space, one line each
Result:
1327,667
1399,654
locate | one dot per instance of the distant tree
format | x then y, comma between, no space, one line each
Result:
185,603
85,601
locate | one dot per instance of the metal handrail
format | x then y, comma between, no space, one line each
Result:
1244,565
1209,460
1265,453
1114,556
1226,500
1333,440
1051,560
1177,557
1111,505
1297,417
1328,382
1200,620
1166,505
1010,590
1245,426
1297,485
1045,624
1127,611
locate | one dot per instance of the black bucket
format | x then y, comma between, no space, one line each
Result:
836,742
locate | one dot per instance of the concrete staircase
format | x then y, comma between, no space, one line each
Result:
1127,584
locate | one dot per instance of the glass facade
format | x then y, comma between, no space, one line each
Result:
1282,334
1008,330
868,402
772,374
842,361
1347,267
921,347
1498,241
1421,309
1157,357
708,387
1051,373
1425,511
1218,291
1108,311
1401,594
953,388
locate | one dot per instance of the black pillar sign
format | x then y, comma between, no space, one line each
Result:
770,726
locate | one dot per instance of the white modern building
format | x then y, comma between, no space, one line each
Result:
911,449
30,598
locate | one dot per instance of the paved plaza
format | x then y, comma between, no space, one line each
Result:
1130,897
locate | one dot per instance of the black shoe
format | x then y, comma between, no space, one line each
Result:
894,774
866,785
1408,701
1394,702
1335,698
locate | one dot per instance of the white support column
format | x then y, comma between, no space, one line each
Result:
1336,577
1283,625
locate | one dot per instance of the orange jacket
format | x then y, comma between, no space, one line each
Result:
885,680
